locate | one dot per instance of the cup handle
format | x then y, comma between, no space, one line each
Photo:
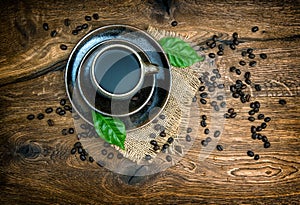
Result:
150,68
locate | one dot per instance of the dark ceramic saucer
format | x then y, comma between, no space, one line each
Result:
147,103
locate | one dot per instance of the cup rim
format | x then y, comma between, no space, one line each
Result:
128,94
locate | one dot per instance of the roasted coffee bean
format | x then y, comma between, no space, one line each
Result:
85,26
50,122
264,138
165,146
257,87
162,134
258,129
213,44
220,53
235,42
120,156
30,117
214,38
63,102
256,157
204,143
235,35
73,150
63,47
48,110
174,23
40,116
204,117
226,115
247,75
253,129
213,78
263,56
242,63
251,56
219,147
233,115
153,142
95,16
168,158
208,139
91,159
247,97
243,53
257,104
82,157
206,131
203,123
220,97
232,46
156,147
235,95
221,86
211,89
188,138
104,152
263,125
110,155
244,86
79,28
217,133
223,104
77,144
252,105
170,140
221,47
254,135
254,29
53,33
243,99
211,55
251,119
232,68
62,112
213,103
250,153
250,50
194,99
189,130
267,144
238,72
157,127
45,26
64,131
88,18
203,95
267,119
252,63
259,136
203,101
260,116
80,150
251,112
74,32
67,107
67,22
71,130
201,88
216,108
282,102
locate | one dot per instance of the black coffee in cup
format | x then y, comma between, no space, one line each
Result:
117,70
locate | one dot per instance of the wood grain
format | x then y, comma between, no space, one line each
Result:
36,166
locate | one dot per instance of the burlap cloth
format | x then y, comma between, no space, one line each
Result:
177,112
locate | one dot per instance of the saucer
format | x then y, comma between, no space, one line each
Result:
154,95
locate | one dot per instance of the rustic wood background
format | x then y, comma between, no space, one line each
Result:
36,166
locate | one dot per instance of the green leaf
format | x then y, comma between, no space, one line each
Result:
180,53
112,130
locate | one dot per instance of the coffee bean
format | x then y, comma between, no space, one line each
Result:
251,56
157,127
194,99
91,159
212,45
252,63
119,156
162,117
88,18
73,150
256,157
64,131
77,144
252,105
221,47
267,144
189,130
217,133
223,104
174,23
85,26
153,142
208,139
243,53
104,152
254,29
238,72
62,112
251,112
211,89
248,81
63,47
203,95
204,143
267,119
233,115
156,147
232,46
250,50
203,123
40,116
220,97
165,146
232,68
188,138
235,42
213,103
219,147
63,102
254,135
71,130
221,86
247,75
30,117
162,134
110,155
201,88
49,110
206,131
250,153
203,101
53,33
170,140
251,119
45,26
261,116
217,108
235,95
242,63
264,138
67,22
258,129
282,102
257,104
247,97
82,157
220,53
74,32
257,87
253,129
211,55
148,157
79,28
263,125
226,115
263,56
50,122
95,16
204,117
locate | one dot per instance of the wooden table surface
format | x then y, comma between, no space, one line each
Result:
36,166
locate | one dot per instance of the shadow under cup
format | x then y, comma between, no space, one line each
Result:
119,84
